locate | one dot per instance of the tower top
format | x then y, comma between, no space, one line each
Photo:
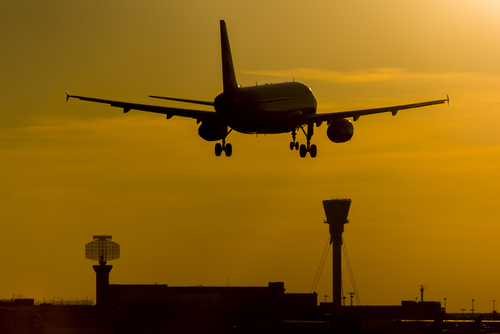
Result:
336,210
102,249
103,237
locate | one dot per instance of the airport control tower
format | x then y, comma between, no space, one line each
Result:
336,211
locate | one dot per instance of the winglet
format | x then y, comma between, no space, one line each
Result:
448,99
67,96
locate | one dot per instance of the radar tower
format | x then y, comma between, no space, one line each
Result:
102,249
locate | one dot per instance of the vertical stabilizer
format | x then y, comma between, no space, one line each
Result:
228,77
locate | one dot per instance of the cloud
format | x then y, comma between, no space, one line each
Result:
379,75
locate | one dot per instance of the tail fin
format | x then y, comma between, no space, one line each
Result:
228,77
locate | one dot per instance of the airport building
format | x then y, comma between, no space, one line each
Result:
160,308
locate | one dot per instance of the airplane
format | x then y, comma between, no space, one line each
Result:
277,108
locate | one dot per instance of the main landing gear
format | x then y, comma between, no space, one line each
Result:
304,149
227,148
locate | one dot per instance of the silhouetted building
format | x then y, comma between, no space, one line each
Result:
122,295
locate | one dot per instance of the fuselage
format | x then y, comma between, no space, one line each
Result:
265,108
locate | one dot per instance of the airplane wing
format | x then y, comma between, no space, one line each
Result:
356,114
196,114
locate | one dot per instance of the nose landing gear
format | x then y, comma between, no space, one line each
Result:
293,143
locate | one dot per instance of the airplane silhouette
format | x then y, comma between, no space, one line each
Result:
262,109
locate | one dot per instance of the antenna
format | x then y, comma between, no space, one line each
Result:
422,288
352,295
102,249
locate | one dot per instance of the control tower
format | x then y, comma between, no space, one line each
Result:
102,249
336,211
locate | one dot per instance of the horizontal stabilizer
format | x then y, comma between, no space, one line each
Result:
207,103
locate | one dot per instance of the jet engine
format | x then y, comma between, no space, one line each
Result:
211,131
340,131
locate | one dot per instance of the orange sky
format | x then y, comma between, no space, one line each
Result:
423,184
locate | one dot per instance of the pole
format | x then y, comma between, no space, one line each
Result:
422,292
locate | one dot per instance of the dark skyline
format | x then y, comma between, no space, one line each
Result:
424,184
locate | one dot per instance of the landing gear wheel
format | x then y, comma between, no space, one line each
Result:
228,149
313,151
303,151
292,145
218,149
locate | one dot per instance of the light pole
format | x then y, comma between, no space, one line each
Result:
352,295
472,309
445,306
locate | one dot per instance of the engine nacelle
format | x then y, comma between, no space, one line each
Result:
211,131
340,131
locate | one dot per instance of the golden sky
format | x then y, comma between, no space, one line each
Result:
423,184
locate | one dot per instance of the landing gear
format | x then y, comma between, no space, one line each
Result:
312,149
227,148
294,144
